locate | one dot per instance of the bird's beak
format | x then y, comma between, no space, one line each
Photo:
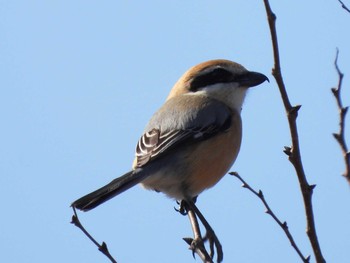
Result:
251,79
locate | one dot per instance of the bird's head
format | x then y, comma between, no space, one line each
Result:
223,80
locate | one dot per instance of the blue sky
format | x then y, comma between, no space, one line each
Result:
79,81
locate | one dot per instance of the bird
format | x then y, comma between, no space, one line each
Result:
194,138
188,145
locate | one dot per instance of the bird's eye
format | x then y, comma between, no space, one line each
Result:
218,75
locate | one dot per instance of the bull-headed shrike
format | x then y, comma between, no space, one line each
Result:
191,142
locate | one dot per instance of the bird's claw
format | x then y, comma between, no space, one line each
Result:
181,209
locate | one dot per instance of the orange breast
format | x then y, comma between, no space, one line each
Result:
212,158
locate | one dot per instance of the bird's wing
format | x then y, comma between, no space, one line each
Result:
175,125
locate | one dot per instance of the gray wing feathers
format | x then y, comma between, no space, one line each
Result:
183,118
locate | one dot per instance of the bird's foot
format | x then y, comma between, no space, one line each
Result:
182,208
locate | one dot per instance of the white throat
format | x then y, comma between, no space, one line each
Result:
229,93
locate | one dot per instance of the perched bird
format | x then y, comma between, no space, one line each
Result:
192,140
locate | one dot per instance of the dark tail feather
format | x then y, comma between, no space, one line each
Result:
109,191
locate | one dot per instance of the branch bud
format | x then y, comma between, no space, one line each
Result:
287,150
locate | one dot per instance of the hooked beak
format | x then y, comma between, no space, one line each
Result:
251,79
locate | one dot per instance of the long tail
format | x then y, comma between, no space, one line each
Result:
109,191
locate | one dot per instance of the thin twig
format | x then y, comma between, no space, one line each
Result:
340,136
344,6
210,234
283,225
188,207
293,152
196,243
103,247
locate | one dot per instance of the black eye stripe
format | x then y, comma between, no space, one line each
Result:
218,75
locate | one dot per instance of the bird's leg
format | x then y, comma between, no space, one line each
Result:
197,243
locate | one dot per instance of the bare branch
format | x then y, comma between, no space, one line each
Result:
196,243
283,225
340,136
188,207
344,6
103,247
294,151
